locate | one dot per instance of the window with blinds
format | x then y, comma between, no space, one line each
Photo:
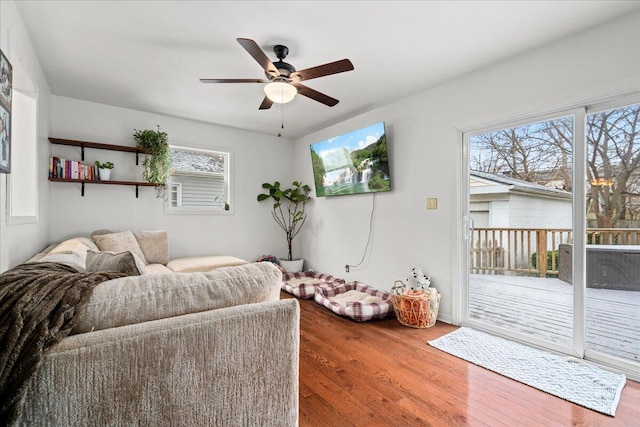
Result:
198,181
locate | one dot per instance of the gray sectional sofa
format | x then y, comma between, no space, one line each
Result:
169,348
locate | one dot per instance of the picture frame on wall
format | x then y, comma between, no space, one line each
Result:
6,80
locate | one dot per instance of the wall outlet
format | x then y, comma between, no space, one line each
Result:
432,203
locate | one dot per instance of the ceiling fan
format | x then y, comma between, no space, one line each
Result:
283,79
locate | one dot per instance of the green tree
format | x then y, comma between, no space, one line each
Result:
613,163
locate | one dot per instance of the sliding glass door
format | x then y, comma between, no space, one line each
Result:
551,250
612,309
520,206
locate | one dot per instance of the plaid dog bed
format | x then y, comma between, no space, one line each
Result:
359,311
304,284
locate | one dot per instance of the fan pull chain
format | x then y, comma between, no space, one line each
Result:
281,119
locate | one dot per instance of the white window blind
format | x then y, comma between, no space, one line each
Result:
198,181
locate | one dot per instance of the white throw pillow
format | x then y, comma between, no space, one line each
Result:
119,242
154,246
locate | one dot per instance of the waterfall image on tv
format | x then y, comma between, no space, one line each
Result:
353,163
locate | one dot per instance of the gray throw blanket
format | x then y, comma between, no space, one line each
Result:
40,304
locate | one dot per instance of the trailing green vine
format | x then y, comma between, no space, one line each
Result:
157,160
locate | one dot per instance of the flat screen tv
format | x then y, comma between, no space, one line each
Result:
353,163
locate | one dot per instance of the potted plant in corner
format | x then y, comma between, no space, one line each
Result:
288,212
157,160
104,170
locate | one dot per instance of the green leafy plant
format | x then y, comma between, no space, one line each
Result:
219,199
157,159
105,165
550,256
288,207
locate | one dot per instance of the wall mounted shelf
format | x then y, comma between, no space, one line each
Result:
97,146
101,146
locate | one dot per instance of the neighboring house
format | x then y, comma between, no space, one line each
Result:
505,202
526,209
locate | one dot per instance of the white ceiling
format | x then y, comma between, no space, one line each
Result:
149,55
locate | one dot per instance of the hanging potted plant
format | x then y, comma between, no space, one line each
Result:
104,170
288,212
157,160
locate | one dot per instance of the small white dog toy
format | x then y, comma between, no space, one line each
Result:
417,280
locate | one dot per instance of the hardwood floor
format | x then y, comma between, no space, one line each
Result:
381,373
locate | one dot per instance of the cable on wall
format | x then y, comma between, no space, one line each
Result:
347,267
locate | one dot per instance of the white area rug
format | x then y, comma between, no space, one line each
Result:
565,377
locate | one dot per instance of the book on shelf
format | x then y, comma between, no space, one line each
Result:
74,170
71,169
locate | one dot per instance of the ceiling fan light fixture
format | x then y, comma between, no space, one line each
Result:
280,92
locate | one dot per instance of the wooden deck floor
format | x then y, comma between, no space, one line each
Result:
544,308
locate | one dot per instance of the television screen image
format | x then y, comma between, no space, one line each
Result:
353,163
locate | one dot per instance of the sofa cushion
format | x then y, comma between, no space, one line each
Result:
158,269
203,263
73,260
119,242
136,299
37,257
154,246
77,244
42,253
122,262
100,232
71,252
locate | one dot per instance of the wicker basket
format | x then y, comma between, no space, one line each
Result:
416,309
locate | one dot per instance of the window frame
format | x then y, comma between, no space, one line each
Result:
34,94
203,210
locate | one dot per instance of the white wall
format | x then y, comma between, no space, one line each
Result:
526,211
518,210
499,213
247,233
424,154
19,241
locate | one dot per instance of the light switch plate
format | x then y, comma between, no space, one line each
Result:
432,203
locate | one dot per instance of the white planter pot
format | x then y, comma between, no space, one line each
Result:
104,174
293,266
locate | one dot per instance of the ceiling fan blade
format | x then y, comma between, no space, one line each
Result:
259,55
323,70
315,95
233,81
266,104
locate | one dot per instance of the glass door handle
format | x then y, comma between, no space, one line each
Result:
469,227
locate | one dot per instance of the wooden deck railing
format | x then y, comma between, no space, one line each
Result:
534,250
613,236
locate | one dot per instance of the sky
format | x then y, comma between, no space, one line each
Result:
352,141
